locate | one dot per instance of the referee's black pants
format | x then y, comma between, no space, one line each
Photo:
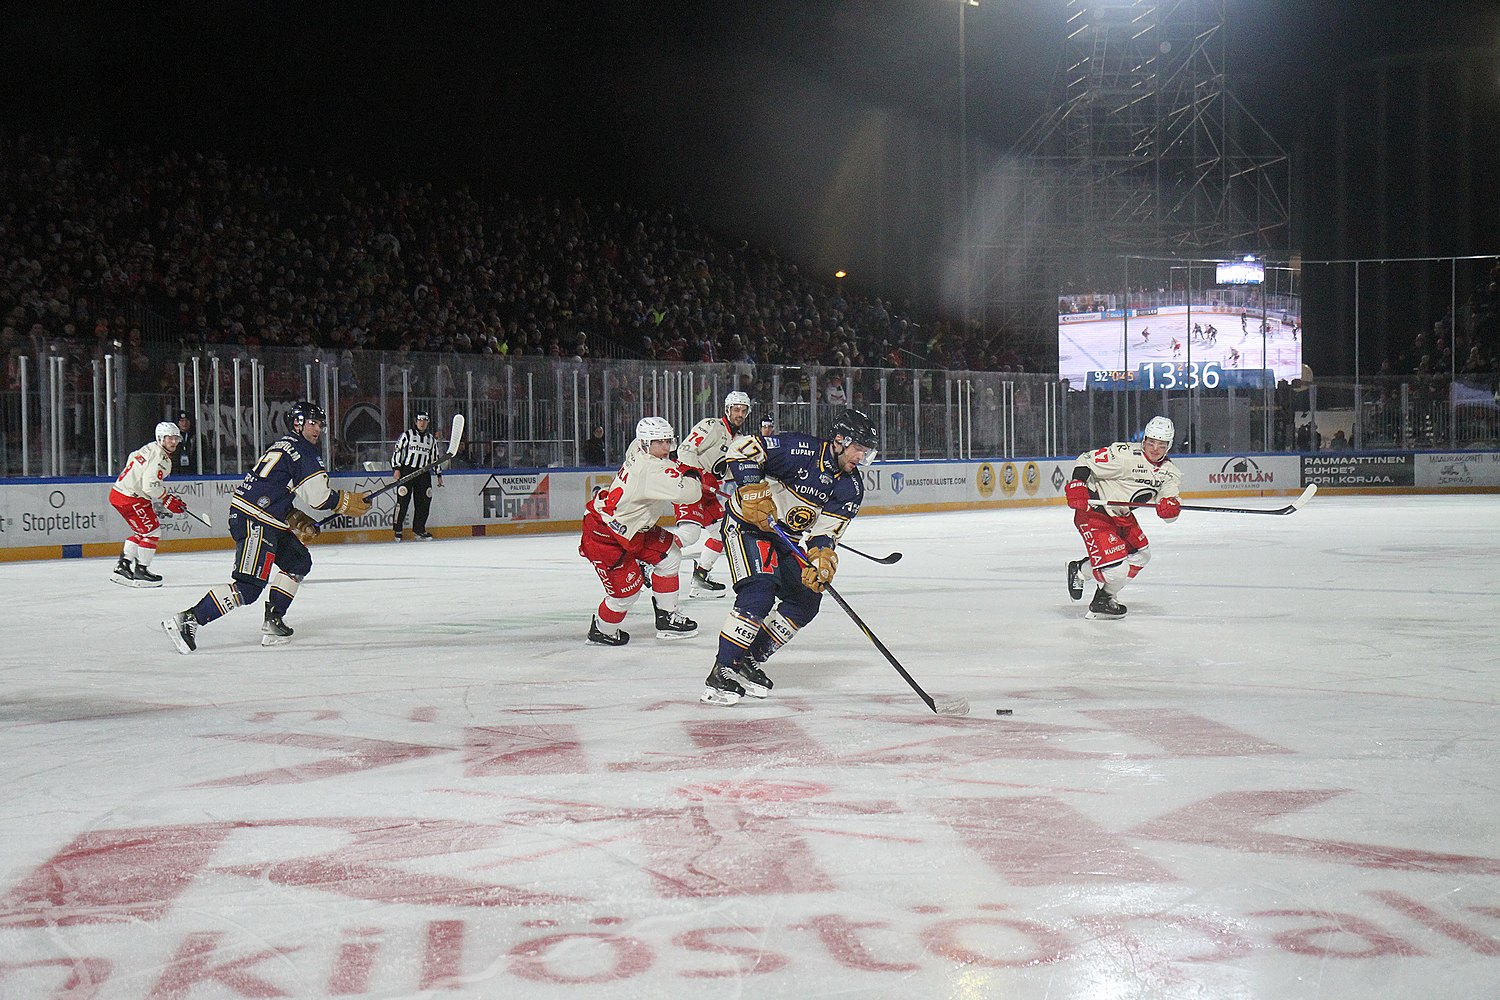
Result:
413,486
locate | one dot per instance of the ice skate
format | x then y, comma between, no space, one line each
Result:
274,631
599,637
1104,605
396,535
703,586
752,678
673,624
145,578
722,687
124,575
1075,578
183,630
424,536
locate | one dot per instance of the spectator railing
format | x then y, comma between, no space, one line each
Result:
66,413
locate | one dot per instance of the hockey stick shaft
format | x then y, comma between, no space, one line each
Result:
894,557
1290,508
198,517
455,439
890,658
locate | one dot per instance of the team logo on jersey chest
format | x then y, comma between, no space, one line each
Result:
800,518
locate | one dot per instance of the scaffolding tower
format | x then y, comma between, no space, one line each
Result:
1146,152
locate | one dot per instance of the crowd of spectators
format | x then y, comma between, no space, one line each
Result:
237,254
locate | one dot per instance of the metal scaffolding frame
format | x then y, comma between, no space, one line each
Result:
1146,151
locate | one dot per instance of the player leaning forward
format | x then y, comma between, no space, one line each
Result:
1117,547
268,531
704,449
136,494
621,537
813,489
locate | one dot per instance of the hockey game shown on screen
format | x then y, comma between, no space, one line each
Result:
1235,336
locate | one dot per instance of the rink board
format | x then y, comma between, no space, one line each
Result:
71,518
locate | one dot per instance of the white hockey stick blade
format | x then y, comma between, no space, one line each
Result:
1307,494
207,521
954,706
456,434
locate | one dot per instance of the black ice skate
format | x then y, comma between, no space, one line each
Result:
752,678
1075,578
274,631
397,534
183,630
673,624
124,575
703,586
424,536
722,687
145,578
602,638
1104,605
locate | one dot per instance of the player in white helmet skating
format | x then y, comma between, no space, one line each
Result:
138,491
704,449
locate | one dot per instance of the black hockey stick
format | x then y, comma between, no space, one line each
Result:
894,557
198,517
1290,508
455,438
957,706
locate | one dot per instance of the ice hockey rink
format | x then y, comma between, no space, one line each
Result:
1098,345
1275,778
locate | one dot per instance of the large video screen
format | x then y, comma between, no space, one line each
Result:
1239,272
1237,336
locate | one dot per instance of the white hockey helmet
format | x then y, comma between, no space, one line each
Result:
654,429
1160,429
737,398
167,429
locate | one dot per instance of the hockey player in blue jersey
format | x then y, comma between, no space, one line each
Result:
813,489
268,531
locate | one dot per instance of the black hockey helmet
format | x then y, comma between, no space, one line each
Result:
854,426
304,411
421,415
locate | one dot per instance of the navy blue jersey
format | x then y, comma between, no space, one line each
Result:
813,496
292,467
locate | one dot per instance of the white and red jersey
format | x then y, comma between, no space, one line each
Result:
706,445
643,491
144,471
1121,473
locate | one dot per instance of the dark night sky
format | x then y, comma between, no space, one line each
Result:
764,118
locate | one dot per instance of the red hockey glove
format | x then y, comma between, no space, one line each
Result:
710,483
173,503
1077,492
689,471
1167,508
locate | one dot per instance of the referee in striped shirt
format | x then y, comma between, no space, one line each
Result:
415,449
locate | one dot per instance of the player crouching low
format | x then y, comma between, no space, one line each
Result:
810,487
1103,482
621,536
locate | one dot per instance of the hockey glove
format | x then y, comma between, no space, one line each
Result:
689,471
755,504
1167,508
173,503
710,483
352,504
304,527
1077,492
818,573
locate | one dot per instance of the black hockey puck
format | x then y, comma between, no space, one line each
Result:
1002,711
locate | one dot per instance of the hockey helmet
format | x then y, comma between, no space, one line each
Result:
654,429
167,429
421,415
853,426
304,411
1160,429
737,398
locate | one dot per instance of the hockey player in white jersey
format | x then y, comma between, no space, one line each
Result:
704,449
1102,482
138,491
621,536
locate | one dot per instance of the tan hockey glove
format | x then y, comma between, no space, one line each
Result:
304,527
352,504
821,565
756,505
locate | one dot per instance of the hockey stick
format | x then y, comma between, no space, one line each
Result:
894,557
957,706
455,439
1291,508
198,517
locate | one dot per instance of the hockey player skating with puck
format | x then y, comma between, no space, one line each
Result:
812,487
138,491
704,449
269,532
1117,547
621,536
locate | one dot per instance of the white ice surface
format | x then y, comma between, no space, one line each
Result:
1276,778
